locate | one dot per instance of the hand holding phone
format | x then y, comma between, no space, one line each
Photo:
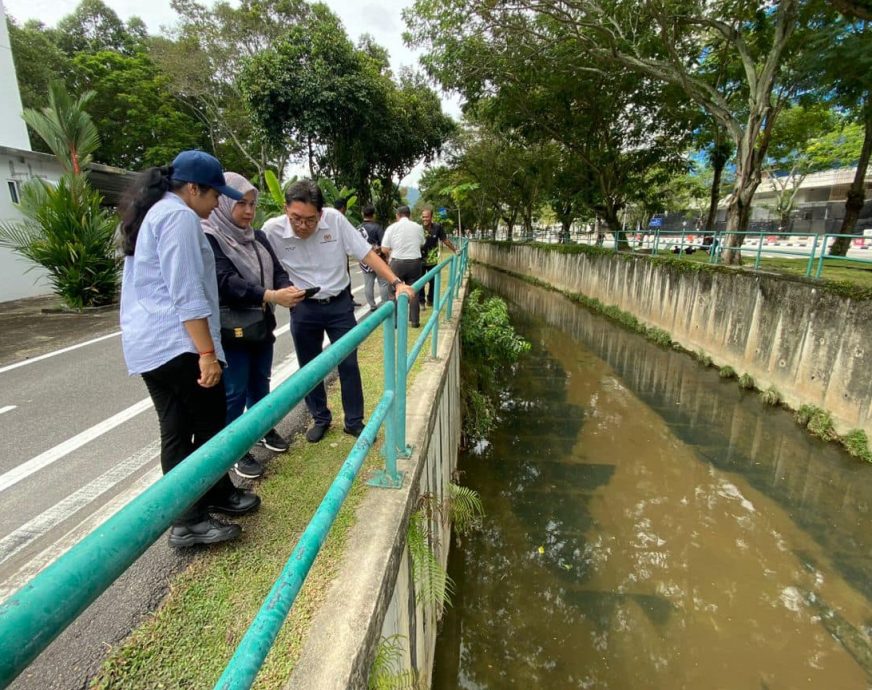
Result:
312,291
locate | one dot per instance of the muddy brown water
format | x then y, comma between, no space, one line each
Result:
650,525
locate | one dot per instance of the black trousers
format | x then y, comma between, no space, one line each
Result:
310,320
409,270
429,287
189,415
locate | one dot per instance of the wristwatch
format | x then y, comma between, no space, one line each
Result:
397,281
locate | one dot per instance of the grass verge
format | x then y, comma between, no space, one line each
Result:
188,641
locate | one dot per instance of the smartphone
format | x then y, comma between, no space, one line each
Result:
312,291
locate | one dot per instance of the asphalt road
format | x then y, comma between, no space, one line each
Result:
80,439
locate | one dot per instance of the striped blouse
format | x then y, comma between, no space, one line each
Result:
170,279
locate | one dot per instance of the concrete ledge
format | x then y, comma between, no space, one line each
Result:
373,595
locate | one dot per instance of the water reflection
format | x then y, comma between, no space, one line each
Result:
650,526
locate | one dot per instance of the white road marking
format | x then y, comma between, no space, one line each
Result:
52,552
26,469
14,542
8,408
32,360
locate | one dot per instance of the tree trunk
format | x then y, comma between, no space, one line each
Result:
857,192
610,215
565,228
718,165
749,164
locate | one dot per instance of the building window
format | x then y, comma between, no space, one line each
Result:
13,191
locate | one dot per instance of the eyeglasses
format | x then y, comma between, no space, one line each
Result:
309,221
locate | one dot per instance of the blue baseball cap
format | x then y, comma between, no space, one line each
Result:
201,168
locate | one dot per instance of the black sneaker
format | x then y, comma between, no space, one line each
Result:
355,431
248,467
206,531
273,442
316,432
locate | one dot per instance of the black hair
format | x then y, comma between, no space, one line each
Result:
340,204
404,211
368,211
307,192
146,189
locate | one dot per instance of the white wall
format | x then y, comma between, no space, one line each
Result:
13,131
16,281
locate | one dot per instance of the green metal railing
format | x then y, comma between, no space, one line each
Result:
807,247
32,617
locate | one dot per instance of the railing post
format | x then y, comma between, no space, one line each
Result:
656,241
681,243
811,256
402,323
820,268
389,477
759,251
437,302
451,286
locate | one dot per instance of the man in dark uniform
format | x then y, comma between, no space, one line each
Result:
433,235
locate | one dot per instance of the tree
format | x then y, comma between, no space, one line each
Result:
663,40
806,140
840,60
93,26
204,60
66,128
314,91
143,123
65,229
619,128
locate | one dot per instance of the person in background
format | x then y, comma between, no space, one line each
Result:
373,233
170,330
341,205
402,246
249,275
314,243
433,234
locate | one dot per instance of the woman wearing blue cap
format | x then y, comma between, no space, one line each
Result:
170,329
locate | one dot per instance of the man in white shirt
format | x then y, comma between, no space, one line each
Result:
314,243
402,244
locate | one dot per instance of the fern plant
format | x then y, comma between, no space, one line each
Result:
433,586
387,672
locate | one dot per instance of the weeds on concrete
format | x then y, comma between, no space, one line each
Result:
727,372
771,396
856,442
746,382
703,358
818,421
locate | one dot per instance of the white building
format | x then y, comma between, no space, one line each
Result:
18,278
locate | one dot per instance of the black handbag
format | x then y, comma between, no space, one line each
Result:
245,324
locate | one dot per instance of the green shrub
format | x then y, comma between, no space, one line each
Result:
490,344
703,358
66,231
771,396
804,414
856,442
746,381
727,373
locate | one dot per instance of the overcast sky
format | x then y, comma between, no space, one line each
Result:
381,18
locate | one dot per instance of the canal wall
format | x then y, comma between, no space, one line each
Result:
372,605
814,345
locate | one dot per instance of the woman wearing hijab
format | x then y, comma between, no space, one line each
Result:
249,276
170,325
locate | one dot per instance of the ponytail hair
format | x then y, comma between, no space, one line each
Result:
145,191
